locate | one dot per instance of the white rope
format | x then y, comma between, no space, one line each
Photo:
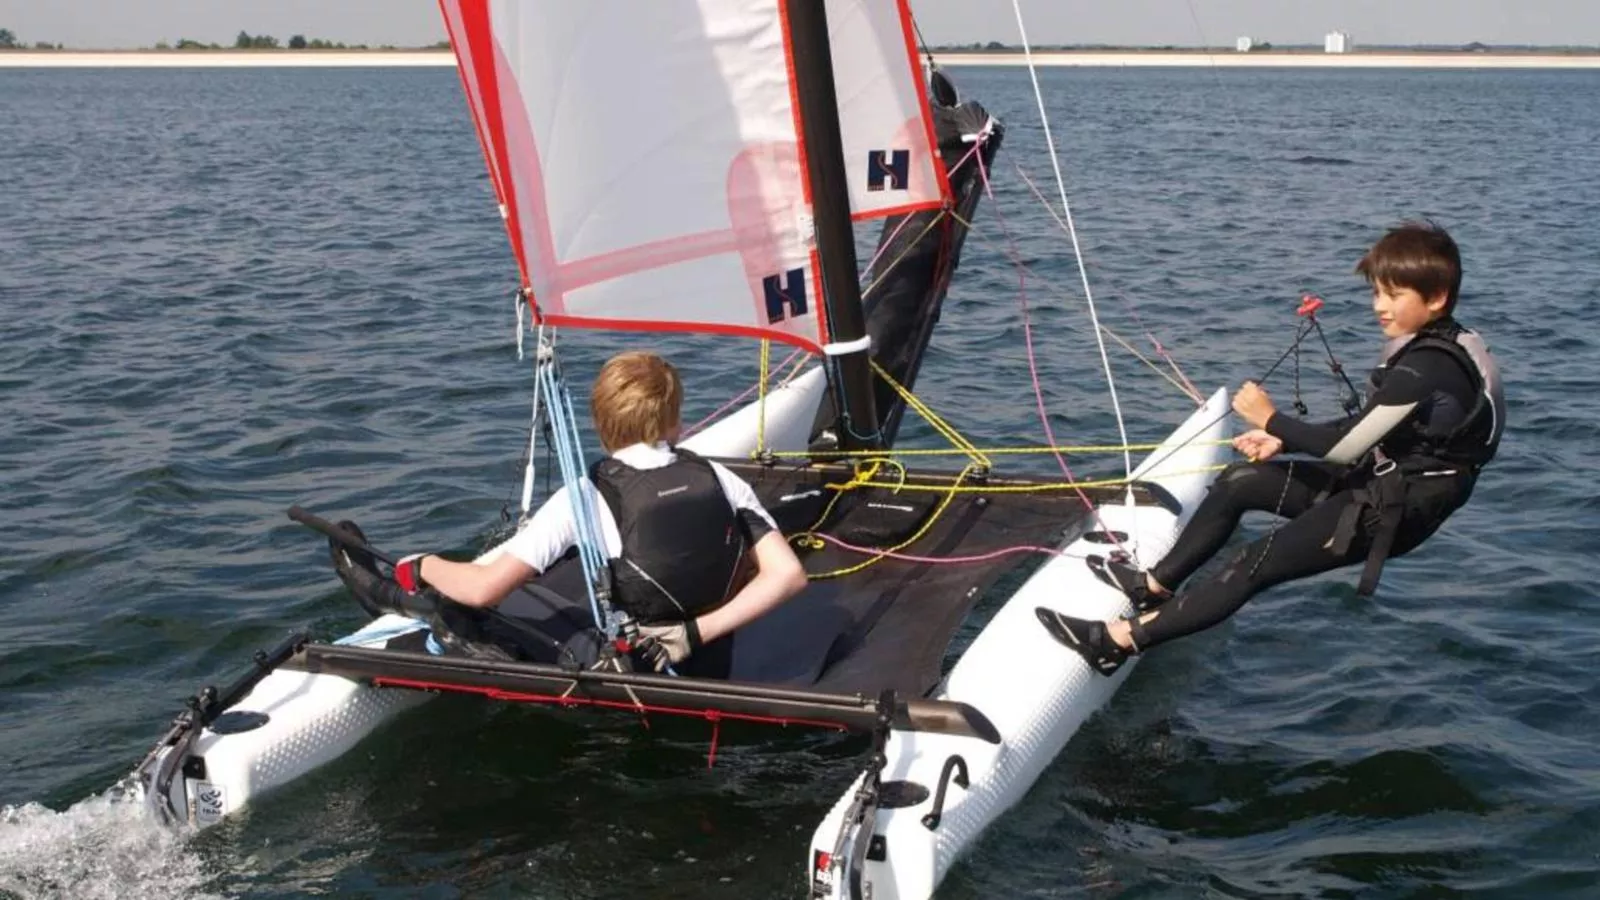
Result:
1072,231
533,428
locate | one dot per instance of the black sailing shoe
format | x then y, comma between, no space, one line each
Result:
1088,639
1117,572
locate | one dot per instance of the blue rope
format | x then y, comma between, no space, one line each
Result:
569,458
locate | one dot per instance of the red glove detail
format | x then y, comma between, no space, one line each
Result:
408,573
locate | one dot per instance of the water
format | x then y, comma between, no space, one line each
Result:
228,291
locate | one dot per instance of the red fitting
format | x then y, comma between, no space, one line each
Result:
1309,305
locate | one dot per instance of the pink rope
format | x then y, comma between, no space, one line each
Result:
942,560
884,244
1033,364
1161,351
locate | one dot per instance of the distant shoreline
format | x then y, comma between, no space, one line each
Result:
62,59
1269,59
222,59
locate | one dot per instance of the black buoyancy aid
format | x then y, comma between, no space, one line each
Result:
1473,440
1460,450
682,540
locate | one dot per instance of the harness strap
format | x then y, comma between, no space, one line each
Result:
1385,494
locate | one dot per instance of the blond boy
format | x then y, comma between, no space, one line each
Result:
679,532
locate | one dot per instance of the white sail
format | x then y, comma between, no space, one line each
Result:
648,160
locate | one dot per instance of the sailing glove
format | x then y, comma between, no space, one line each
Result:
660,646
408,573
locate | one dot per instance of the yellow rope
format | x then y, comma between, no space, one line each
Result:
761,398
1016,489
912,401
808,538
998,451
867,291
933,418
839,491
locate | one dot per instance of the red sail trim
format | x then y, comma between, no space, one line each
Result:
906,29
751,331
624,705
794,97
818,303
522,145
917,206
474,101
483,51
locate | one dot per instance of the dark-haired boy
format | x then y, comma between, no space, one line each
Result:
1383,482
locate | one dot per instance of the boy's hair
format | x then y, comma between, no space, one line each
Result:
1417,255
636,399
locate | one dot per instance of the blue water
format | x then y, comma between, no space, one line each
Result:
224,292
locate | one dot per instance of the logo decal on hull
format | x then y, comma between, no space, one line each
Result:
210,803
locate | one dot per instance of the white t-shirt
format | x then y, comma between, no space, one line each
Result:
552,530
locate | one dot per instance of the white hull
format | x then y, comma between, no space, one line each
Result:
312,720
1036,692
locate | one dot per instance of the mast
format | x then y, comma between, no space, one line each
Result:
807,22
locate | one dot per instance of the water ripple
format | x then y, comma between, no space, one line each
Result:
228,292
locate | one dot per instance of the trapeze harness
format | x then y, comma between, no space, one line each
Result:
682,540
1402,478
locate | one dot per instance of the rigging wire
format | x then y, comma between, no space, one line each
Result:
1021,264
1077,250
1033,372
1187,386
570,459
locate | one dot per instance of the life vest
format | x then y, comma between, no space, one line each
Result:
1472,441
682,541
1398,482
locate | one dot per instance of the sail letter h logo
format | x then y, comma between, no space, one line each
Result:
785,298
892,166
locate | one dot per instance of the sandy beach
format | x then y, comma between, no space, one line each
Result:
222,59
1158,58
1151,58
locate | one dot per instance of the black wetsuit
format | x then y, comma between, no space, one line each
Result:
1426,395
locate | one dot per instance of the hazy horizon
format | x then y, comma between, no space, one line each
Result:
119,24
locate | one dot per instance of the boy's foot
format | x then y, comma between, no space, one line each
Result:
1132,582
1088,639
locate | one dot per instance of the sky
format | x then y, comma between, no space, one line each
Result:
141,23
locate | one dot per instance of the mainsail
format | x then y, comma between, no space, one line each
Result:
648,157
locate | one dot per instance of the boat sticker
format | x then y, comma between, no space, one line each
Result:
821,875
210,803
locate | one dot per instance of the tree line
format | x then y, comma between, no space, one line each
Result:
10,41
244,41
247,41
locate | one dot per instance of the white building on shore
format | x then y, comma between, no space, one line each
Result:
1244,44
1336,42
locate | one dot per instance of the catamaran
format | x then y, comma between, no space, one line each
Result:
722,200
